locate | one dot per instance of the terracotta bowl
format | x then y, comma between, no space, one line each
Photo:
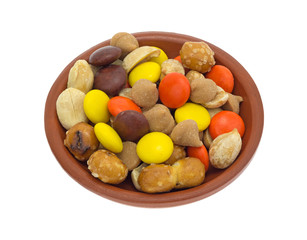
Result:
251,112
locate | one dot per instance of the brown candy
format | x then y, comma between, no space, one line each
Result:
105,56
110,79
203,90
81,141
129,155
197,56
144,93
130,125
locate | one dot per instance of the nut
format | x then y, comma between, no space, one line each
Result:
138,55
106,166
213,111
125,41
220,99
169,66
69,107
81,76
207,139
192,74
178,153
129,156
233,103
125,92
190,172
186,133
157,178
135,175
224,149
197,56
81,141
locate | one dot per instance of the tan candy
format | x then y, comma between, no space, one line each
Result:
129,156
203,90
138,55
233,103
197,56
106,166
160,119
220,99
186,133
81,76
169,66
69,107
125,41
224,149
144,93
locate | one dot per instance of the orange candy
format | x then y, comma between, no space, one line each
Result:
119,104
174,90
222,76
178,58
224,122
201,153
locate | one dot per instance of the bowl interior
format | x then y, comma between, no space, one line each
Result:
251,111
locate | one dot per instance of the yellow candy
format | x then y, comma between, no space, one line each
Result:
162,57
193,111
96,106
108,137
155,147
147,70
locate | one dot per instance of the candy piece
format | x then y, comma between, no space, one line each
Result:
174,90
190,172
201,153
233,103
193,111
69,107
147,70
96,106
108,137
213,111
169,66
81,76
110,79
177,154
138,55
144,93
186,133
203,90
157,178
125,41
225,149
129,156
107,167
119,104
105,56
219,100
81,141
160,119
154,147
222,76
161,58
197,56
131,125
226,121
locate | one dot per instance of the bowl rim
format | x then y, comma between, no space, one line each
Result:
141,199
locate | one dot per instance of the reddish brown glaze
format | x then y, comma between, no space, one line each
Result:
251,112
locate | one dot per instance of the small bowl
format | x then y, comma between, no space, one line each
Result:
251,111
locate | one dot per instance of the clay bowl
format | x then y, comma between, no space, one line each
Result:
251,112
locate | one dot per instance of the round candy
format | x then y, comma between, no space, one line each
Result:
155,147
147,70
195,112
105,55
131,125
108,137
96,106
110,79
174,90
119,104
162,57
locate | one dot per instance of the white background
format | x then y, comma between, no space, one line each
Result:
40,201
